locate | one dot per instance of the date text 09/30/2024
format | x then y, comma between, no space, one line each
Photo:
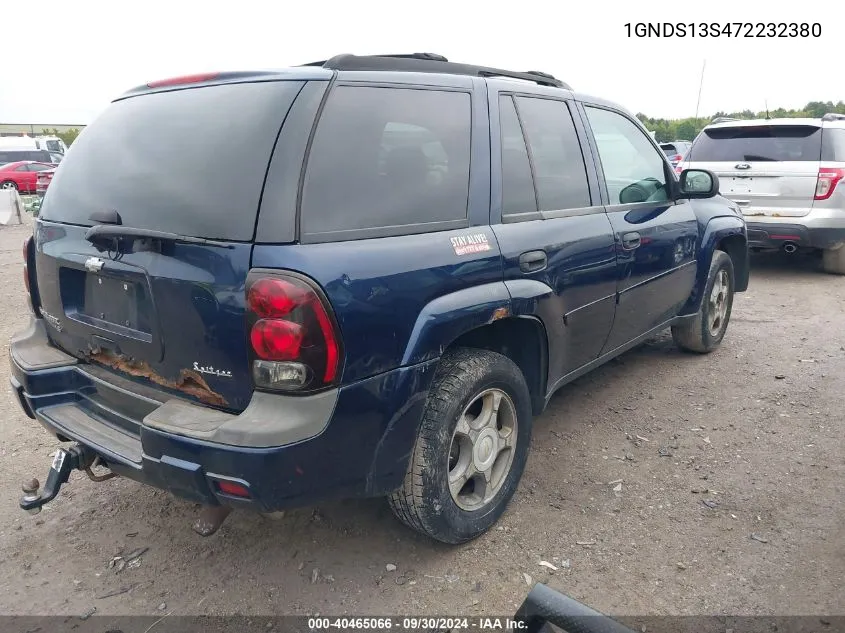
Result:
459,623
723,29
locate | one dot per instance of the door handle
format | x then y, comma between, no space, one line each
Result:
630,241
532,261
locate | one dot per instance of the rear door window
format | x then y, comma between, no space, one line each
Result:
560,174
189,161
517,184
758,143
387,161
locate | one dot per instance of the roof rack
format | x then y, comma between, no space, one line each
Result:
833,116
432,63
723,119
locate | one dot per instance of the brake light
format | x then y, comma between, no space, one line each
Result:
829,177
676,158
233,489
294,341
26,263
181,81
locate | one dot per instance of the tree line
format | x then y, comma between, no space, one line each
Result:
687,129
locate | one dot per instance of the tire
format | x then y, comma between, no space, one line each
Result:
467,381
8,184
705,332
833,260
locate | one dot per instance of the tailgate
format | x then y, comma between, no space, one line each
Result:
769,170
176,177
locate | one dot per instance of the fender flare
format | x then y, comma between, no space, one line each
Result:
717,229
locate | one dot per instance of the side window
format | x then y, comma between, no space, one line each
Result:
517,185
22,168
633,168
559,171
384,158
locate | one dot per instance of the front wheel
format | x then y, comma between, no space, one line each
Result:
471,448
704,332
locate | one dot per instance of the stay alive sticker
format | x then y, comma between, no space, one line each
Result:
469,244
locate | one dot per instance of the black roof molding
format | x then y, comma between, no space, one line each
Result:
432,63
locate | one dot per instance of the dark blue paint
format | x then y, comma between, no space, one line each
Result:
399,302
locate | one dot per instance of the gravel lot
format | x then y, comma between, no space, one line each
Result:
709,450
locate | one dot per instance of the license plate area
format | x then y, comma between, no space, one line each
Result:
112,300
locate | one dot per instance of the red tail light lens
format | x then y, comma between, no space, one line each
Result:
294,340
276,339
829,177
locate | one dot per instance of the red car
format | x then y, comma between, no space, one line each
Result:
21,175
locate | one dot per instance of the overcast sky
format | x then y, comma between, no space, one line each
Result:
70,59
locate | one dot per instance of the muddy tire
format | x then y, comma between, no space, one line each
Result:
833,260
471,447
705,332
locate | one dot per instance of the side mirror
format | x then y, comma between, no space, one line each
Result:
698,183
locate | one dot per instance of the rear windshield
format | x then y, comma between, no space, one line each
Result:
758,143
669,150
833,144
189,161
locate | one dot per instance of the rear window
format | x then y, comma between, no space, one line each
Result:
669,150
833,144
188,161
384,160
758,143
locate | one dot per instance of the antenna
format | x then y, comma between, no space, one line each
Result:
700,86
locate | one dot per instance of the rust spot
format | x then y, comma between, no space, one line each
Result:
189,381
500,313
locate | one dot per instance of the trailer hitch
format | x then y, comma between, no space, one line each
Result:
76,457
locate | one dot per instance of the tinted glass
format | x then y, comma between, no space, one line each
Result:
517,184
833,144
633,168
758,143
190,162
669,150
559,172
13,155
54,146
387,157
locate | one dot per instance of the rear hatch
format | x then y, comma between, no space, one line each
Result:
768,170
172,180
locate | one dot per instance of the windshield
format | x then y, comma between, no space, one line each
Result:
758,143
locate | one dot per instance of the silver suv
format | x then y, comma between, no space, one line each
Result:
785,175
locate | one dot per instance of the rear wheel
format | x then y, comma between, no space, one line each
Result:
704,332
833,260
8,184
471,448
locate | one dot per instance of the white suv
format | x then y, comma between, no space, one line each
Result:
785,176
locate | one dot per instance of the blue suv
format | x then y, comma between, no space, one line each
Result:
359,277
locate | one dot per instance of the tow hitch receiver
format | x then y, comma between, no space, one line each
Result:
76,457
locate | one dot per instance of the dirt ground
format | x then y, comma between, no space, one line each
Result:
731,499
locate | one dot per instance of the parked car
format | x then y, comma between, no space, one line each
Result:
675,151
43,179
48,143
21,175
313,315
37,155
785,175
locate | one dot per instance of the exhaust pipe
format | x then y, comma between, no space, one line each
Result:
790,247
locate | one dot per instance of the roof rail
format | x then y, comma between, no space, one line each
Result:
833,116
432,63
723,119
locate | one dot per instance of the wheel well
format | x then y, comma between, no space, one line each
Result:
737,250
521,339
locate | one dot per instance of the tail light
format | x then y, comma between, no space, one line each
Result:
294,339
184,79
829,177
26,278
676,158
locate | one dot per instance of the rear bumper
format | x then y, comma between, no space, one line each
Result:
360,449
775,235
